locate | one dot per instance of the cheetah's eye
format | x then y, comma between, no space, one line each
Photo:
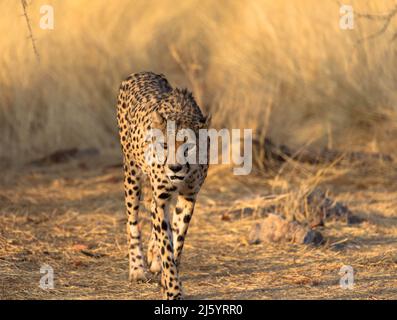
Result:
190,147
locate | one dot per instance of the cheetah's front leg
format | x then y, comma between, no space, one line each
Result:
180,223
132,189
171,285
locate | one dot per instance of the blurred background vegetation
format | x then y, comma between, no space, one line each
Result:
283,68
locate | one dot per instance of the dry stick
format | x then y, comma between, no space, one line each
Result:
24,6
387,17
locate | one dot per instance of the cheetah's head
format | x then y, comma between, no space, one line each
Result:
184,146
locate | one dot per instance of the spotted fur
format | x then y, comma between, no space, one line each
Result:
146,101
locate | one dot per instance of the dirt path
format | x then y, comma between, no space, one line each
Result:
71,217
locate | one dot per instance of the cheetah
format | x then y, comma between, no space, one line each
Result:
146,101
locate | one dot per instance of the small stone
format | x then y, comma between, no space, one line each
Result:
276,229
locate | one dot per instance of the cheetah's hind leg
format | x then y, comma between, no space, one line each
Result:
153,255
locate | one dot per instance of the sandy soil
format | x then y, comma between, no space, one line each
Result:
71,217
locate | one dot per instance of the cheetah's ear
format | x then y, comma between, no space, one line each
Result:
157,120
206,122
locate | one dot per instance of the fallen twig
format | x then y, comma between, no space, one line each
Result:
24,6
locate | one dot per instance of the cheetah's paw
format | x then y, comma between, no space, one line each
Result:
155,265
137,275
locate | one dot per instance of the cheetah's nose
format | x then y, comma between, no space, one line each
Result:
175,167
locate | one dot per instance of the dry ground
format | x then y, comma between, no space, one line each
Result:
71,217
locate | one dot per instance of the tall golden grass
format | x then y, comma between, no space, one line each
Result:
284,67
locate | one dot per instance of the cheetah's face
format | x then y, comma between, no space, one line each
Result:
181,150
180,169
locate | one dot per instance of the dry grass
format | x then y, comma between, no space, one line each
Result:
71,217
242,59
